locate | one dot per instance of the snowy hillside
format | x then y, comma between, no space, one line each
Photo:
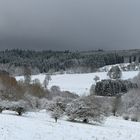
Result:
39,126
78,83
123,66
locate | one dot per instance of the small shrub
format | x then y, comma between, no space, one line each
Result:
20,110
126,117
134,119
96,78
85,121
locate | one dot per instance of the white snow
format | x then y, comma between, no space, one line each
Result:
39,126
122,66
78,83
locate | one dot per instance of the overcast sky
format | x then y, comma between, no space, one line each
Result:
70,24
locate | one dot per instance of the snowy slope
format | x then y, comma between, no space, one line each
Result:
123,66
39,126
78,83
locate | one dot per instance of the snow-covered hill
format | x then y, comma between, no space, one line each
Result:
39,126
78,83
123,66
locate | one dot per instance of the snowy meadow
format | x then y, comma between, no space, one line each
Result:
38,124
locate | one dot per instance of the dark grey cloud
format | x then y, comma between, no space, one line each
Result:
69,24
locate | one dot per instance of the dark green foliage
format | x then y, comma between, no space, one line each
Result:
113,87
52,61
46,61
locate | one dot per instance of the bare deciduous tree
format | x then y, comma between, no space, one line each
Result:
96,78
27,75
46,80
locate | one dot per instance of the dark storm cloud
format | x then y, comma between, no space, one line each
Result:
69,24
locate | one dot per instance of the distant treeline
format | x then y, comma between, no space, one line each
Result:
46,61
59,60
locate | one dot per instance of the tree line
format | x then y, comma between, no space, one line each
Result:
53,61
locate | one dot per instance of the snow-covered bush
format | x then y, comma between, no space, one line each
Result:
57,112
130,104
34,103
42,103
134,119
115,72
107,104
56,108
126,117
136,79
85,109
17,106
55,92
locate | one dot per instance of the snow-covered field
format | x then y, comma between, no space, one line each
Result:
39,126
78,83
